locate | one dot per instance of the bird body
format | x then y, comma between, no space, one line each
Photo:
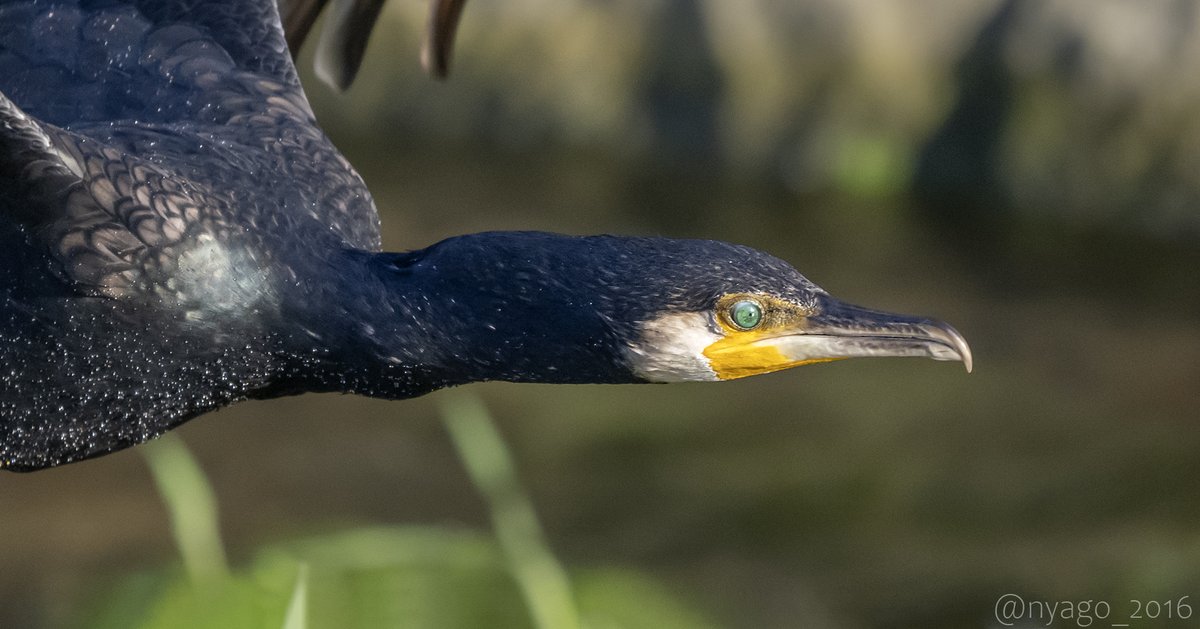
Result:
162,183
177,234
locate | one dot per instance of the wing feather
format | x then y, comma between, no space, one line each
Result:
130,128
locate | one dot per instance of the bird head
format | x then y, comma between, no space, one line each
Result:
531,306
746,333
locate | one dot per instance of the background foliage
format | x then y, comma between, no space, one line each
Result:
1023,169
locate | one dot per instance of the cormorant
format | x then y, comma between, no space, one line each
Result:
177,234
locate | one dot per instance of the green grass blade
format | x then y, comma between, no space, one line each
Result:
541,578
297,612
191,506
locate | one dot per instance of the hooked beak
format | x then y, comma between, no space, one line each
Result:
843,330
838,330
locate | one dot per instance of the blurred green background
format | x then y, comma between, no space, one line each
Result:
1027,170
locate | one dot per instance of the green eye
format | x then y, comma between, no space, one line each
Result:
746,314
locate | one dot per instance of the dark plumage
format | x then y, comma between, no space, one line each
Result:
176,234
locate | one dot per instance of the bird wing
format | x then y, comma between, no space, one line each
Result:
154,61
106,219
128,128
348,27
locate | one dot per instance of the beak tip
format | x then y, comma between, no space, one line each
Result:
950,339
959,344
964,352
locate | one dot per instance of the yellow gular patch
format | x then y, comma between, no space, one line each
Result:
750,354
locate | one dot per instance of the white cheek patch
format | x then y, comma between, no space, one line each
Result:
671,348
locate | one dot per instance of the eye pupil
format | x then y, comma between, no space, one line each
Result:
746,314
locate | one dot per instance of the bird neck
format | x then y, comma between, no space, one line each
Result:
401,325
